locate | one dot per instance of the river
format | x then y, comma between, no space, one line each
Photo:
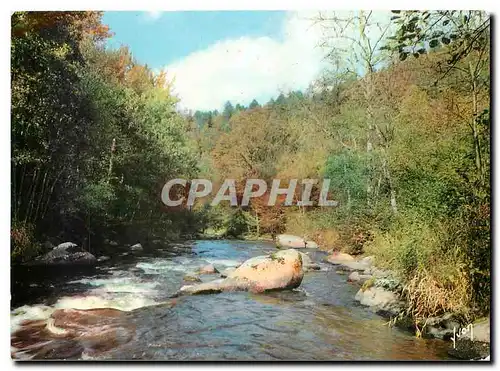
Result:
319,321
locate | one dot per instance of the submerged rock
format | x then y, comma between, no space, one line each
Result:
67,253
278,271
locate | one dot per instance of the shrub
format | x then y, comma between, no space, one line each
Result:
23,246
433,270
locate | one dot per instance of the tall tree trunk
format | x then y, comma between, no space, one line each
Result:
111,156
475,134
368,96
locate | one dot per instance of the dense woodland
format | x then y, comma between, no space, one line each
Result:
404,136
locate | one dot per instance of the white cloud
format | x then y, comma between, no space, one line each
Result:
240,70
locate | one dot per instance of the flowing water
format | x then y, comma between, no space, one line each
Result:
318,321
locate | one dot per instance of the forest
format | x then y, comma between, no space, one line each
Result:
401,128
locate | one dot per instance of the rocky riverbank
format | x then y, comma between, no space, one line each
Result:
381,291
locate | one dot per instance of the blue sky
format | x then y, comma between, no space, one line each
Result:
216,56
159,39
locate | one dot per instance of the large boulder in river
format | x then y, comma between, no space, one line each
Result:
67,253
278,271
288,240
226,272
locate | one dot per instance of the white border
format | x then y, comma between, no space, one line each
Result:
8,7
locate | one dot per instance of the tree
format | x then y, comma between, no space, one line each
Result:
254,104
464,36
355,40
228,110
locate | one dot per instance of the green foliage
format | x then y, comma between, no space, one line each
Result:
23,244
236,224
94,134
420,31
348,172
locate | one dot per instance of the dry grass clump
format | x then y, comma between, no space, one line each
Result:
428,295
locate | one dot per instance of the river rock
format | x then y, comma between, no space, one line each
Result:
288,240
340,258
67,253
208,269
311,244
69,247
356,277
377,273
281,270
380,300
308,264
226,272
349,263
47,246
469,350
192,278
103,258
441,327
481,329
136,247
368,260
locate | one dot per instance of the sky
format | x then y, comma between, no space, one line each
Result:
218,56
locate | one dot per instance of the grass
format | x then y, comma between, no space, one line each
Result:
433,271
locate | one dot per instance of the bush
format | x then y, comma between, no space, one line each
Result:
236,224
434,272
23,246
